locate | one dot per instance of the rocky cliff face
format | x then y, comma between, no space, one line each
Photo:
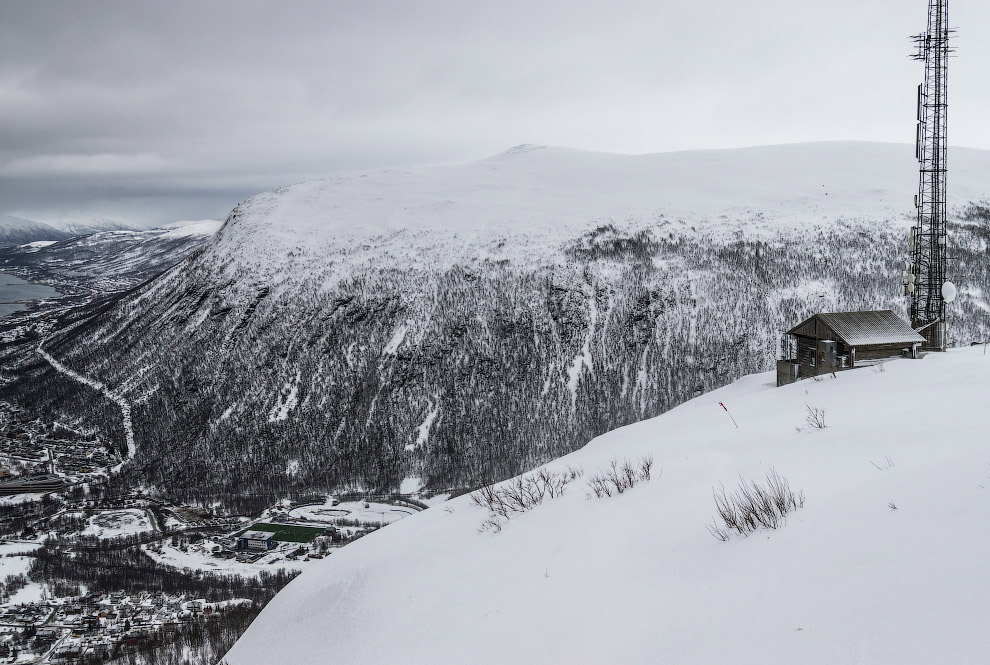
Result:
461,324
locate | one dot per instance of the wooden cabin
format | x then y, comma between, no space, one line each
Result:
835,341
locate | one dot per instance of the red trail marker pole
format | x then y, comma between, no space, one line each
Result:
730,415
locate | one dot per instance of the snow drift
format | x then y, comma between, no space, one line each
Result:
885,563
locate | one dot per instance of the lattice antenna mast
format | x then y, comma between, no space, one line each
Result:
926,279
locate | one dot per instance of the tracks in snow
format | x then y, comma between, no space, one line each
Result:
125,406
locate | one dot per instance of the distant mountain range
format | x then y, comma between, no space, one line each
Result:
105,261
463,323
17,230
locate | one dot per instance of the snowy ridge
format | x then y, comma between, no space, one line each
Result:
885,563
509,203
204,227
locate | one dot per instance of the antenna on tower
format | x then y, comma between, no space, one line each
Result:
925,284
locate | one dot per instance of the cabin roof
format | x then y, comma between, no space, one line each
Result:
859,328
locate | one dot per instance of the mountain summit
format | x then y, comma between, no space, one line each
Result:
532,192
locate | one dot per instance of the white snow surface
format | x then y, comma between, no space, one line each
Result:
113,523
637,578
375,513
497,207
39,244
423,430
203,227
12,563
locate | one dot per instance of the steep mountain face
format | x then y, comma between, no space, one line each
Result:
882,563
463,323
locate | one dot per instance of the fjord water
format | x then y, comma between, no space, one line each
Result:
14,290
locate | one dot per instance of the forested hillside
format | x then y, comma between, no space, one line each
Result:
462,324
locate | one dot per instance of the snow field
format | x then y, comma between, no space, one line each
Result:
113,523
199,559
375,513
637,578
12,564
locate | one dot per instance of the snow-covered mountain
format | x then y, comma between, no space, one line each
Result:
530,197
87,225
463,323
884,563
17,230
106,261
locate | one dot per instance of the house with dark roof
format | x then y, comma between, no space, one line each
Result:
833,341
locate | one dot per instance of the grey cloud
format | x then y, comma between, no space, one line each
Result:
158,110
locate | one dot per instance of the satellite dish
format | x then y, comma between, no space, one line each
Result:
949,292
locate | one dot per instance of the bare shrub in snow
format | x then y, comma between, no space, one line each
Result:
718,531
880,366
599,485
521,494
887,463
754,505
574,472
619,477
645,465
815,417
491,524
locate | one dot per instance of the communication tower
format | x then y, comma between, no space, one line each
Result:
925,283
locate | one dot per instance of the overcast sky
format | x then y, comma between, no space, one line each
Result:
158,111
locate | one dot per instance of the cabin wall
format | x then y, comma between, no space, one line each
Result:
811,360
879,351
807,348
787,372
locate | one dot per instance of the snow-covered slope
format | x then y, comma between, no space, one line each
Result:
95,224
517,199
637,578
202,227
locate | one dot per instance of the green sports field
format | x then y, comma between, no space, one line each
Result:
287,533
